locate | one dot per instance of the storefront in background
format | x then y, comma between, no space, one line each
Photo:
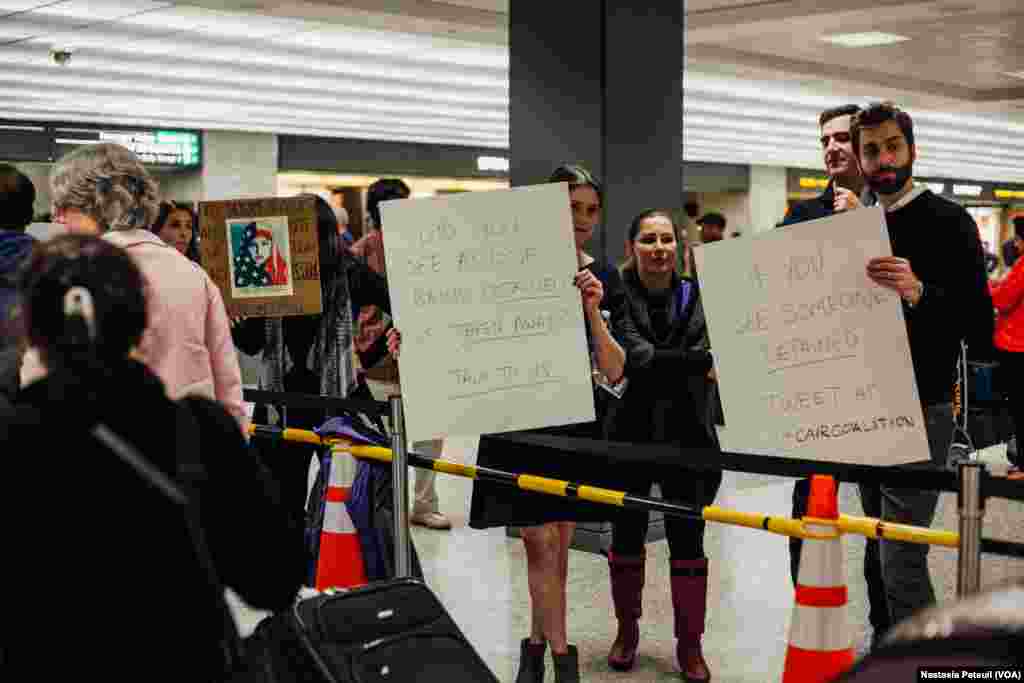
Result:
341,170
992,205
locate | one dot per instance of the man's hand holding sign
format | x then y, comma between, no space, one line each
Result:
896,274
811,347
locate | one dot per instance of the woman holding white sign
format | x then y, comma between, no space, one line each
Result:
670,400
548,522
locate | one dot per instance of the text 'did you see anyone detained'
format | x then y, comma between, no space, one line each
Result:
492,324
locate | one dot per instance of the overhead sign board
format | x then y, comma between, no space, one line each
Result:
169,148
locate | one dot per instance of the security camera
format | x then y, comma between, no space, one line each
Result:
60,56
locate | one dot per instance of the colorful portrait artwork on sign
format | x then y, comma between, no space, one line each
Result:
260,257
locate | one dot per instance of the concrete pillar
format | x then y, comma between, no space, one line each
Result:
239,165
235,164
767,198
600,84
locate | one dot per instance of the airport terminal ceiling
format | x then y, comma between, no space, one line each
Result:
757,73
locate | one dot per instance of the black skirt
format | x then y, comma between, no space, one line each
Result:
496,505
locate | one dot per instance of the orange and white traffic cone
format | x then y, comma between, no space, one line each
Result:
820,645
340,563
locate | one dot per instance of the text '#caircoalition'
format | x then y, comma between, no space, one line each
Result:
841,429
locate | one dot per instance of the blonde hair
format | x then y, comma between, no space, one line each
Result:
108,183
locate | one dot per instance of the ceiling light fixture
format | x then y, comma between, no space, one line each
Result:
866,39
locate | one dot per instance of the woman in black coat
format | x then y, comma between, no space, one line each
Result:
669,400
101,549
312,354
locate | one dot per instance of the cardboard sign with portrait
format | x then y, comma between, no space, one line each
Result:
263,254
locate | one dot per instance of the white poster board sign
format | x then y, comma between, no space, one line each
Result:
812,357
493,338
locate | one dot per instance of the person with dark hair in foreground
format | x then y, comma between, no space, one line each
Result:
102,535
17,196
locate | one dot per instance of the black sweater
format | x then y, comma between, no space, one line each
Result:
940,239
669,397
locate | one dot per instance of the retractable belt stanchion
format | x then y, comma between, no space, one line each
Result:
971,509
400,475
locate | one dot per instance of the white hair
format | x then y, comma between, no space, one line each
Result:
108,183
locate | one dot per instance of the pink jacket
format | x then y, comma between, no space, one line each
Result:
187,342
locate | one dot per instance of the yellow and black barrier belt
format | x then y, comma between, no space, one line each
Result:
785,526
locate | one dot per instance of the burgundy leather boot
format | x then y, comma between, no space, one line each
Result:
689,602
627,575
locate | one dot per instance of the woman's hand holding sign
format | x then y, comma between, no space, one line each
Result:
591,289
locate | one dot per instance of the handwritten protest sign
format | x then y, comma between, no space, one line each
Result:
263,254
812,357
493,338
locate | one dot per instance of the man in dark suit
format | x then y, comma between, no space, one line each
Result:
846,190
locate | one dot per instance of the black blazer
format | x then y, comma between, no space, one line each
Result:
669,398
812,209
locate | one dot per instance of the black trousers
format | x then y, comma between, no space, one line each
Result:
1011,367
685,536
871,501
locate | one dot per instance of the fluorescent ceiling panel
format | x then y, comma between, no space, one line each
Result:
246,99
866,39
12,6
331,37
211,22
36,61
21,101
91,11
12,29
41,113
103,40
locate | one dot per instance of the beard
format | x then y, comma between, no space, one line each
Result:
887,186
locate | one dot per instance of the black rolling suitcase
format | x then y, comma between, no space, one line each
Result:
393,631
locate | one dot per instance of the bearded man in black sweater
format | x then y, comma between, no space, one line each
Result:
938,269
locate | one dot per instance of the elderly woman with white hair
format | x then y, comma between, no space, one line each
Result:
105,190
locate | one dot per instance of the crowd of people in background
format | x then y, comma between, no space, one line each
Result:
120,307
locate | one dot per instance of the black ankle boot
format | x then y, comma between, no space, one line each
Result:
567,666
531,662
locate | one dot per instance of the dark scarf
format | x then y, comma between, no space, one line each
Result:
332,350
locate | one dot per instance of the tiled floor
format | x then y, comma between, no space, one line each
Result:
481,578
